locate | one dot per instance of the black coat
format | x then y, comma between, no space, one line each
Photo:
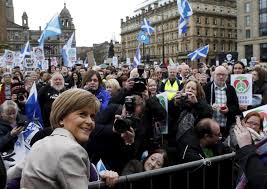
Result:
3,175
46,97
110,147
255,170
189,149
232,102
260,87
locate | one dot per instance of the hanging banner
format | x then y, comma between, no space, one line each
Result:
38,56
71,55
45,65
243,87
163,99
263,111
18,60
9,58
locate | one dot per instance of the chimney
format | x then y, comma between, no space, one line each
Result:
127,18
40,28
143,11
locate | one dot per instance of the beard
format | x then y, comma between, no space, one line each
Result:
58,87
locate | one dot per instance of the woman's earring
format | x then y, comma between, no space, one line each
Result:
61,123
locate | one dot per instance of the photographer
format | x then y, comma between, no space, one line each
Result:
19,96
122,141
187,108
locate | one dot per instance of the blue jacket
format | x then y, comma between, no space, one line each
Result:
103,96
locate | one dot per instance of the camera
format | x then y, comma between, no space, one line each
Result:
22,122
20,97
122,125
184,97
139,82
130,104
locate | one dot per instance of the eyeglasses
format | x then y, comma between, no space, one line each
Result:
253,123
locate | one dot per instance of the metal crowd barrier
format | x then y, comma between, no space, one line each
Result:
215,173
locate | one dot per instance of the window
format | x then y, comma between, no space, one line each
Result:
247,21
215,33
214,46
198,20
215,21
247,7
263,52
222,47
247,34
206,20
206,32
263,4
222,33
248,52
198,31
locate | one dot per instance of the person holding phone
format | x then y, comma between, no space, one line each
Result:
9,125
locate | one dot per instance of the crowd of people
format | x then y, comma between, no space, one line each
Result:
114,115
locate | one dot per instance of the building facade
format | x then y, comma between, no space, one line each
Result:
18,35
252,29
3,25
213,23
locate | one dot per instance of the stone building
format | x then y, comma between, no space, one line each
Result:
213,23
15,36
252,29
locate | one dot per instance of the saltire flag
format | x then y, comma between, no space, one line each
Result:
100,167
65,48
146,27
185,12
143,38
26,51
32,108
137,57
199,53
69,42
52,29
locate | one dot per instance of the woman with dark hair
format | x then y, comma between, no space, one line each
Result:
260,84
92,82
155,159
239,68
75,80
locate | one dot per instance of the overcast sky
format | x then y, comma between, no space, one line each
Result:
95,20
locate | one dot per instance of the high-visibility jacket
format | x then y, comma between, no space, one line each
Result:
171,88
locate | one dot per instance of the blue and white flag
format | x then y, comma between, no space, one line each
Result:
146,27
100,167
137,58
52,29
69,42
26,51
182,26
32,108
185,12
199,53
143,38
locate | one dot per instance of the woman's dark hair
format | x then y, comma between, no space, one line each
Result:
89,74
160,151
262,75
242,64
79,79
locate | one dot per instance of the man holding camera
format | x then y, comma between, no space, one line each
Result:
118,143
